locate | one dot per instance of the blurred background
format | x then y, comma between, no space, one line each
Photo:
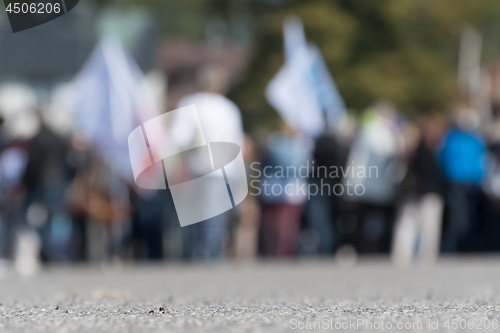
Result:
411,88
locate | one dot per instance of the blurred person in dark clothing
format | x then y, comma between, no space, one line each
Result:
45,180
418,226
4,202
491,184
147,224
322,209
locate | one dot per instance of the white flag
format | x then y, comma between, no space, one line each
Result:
303,91
110,100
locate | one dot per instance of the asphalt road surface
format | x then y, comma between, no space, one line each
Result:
456,295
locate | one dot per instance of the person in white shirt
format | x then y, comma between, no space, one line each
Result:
221,122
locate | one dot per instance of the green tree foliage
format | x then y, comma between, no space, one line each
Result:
405,51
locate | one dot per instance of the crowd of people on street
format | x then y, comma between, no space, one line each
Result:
381,183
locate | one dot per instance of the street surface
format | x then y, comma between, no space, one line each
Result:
457,295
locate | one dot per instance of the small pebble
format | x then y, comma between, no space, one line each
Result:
152,311
58,308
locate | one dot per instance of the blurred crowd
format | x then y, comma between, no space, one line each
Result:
435,188
379,182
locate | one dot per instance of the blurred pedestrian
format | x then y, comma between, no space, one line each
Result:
283,201
491,183
323,209
463,161
376,156
13,158
245,232
418,226
46,179
221,122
